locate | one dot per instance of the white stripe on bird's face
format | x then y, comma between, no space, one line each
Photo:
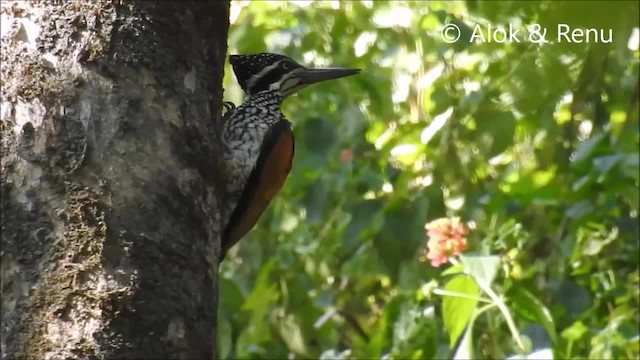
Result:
289,84
254,79
281,76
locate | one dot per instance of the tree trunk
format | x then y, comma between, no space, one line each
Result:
110,210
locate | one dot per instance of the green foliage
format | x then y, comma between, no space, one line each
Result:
457,310
535,144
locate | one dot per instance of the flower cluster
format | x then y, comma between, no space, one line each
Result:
446,237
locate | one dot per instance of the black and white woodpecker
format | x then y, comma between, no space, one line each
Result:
257,138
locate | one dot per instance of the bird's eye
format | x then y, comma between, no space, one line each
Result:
286,66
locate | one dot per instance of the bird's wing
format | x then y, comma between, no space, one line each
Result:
266,180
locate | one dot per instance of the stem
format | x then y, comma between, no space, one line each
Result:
492,225
483,309
505,311
504,236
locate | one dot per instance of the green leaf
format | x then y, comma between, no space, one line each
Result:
630,164
495,129
232,297
482,268
527,306
380,336
223,333
582,183
292,334
365,262
406,326
519,108
315,200
411,275
605,163
318,136
361,219
457,311
263,295
585,149
575,332
453,270
465,35
249,340
579,209
573,297
441,100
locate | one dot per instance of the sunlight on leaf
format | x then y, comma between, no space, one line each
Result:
427,80
618,117
364,42
543,177
455,202
406,153
292,334
401,87
438,122
575,332
393,16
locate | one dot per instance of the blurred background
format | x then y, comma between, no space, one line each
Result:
535,146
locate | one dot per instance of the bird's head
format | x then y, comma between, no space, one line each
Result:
266,71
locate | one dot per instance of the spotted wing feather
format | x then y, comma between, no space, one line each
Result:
264,182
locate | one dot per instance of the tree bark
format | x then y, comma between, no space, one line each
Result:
110,193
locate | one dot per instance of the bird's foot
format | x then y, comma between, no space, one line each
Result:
228,109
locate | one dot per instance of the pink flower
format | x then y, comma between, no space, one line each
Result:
446,238
345,156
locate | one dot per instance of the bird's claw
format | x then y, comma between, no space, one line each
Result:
228,106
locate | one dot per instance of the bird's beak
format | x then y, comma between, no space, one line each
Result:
312,76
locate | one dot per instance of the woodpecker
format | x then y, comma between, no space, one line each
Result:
257,138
